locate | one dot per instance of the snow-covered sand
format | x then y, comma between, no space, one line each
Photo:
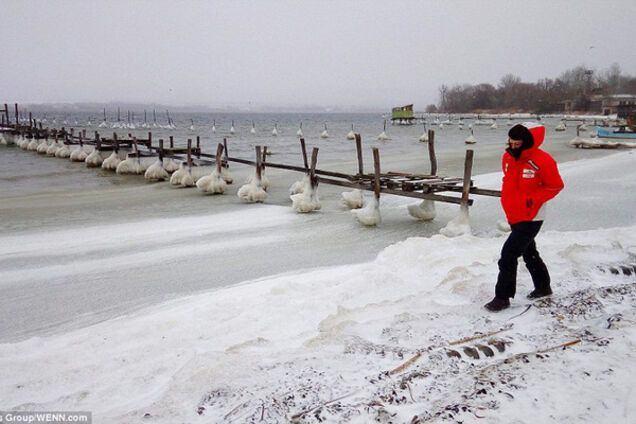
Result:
319,345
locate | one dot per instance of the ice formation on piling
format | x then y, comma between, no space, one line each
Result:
353,199
424,211
370,214
212,183
111,162
307,201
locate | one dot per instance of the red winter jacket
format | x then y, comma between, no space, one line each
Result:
529,181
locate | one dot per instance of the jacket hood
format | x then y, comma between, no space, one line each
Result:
538,133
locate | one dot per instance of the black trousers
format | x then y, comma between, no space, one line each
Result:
520,242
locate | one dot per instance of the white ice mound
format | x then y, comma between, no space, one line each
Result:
182,177
324,134
383,136
298,186
130,166
353,199
351,135
213,183
457,226
370,214
252,193
43,147
63,152
23,143
424,211
264,181
307,201
50,151
94,159
78,155
155,172
33,145
424,138
170,166
111,162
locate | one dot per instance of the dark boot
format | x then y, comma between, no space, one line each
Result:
539,293
498,304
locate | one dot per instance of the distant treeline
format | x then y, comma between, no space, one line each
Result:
579,85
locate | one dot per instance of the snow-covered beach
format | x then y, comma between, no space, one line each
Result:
311,332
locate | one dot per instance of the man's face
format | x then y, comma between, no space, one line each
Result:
515,144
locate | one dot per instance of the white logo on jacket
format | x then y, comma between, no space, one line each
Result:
529,173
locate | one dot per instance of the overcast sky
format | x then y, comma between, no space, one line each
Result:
330,53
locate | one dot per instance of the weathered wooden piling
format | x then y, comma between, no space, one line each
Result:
303,149
376,167
468,169
431,152
359,152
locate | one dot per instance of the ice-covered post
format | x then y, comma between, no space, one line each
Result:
468,169
312,170
218,159
431,151
189,152
359,151
376,181
258,164
303,149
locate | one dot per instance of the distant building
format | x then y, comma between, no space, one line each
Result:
403,115
620,104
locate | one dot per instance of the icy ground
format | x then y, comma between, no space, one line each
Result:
400,339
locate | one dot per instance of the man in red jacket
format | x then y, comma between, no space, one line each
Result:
531,178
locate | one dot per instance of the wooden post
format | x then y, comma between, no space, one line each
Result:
376,165
218,159
136,148
6,113
264,158
149,139
312,171
431,151
189,152
116,142
359,150
578,129
31,120
227,161
198,147
160,148
171,142
258,164
468,169
17,115
81,141
303,149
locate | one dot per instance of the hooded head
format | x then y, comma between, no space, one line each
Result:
530,133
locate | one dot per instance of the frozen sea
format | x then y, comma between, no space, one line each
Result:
80,245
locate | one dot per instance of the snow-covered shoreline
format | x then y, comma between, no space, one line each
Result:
317,344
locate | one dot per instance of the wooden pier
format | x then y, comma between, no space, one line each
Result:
456,190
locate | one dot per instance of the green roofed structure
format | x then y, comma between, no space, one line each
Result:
403,115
